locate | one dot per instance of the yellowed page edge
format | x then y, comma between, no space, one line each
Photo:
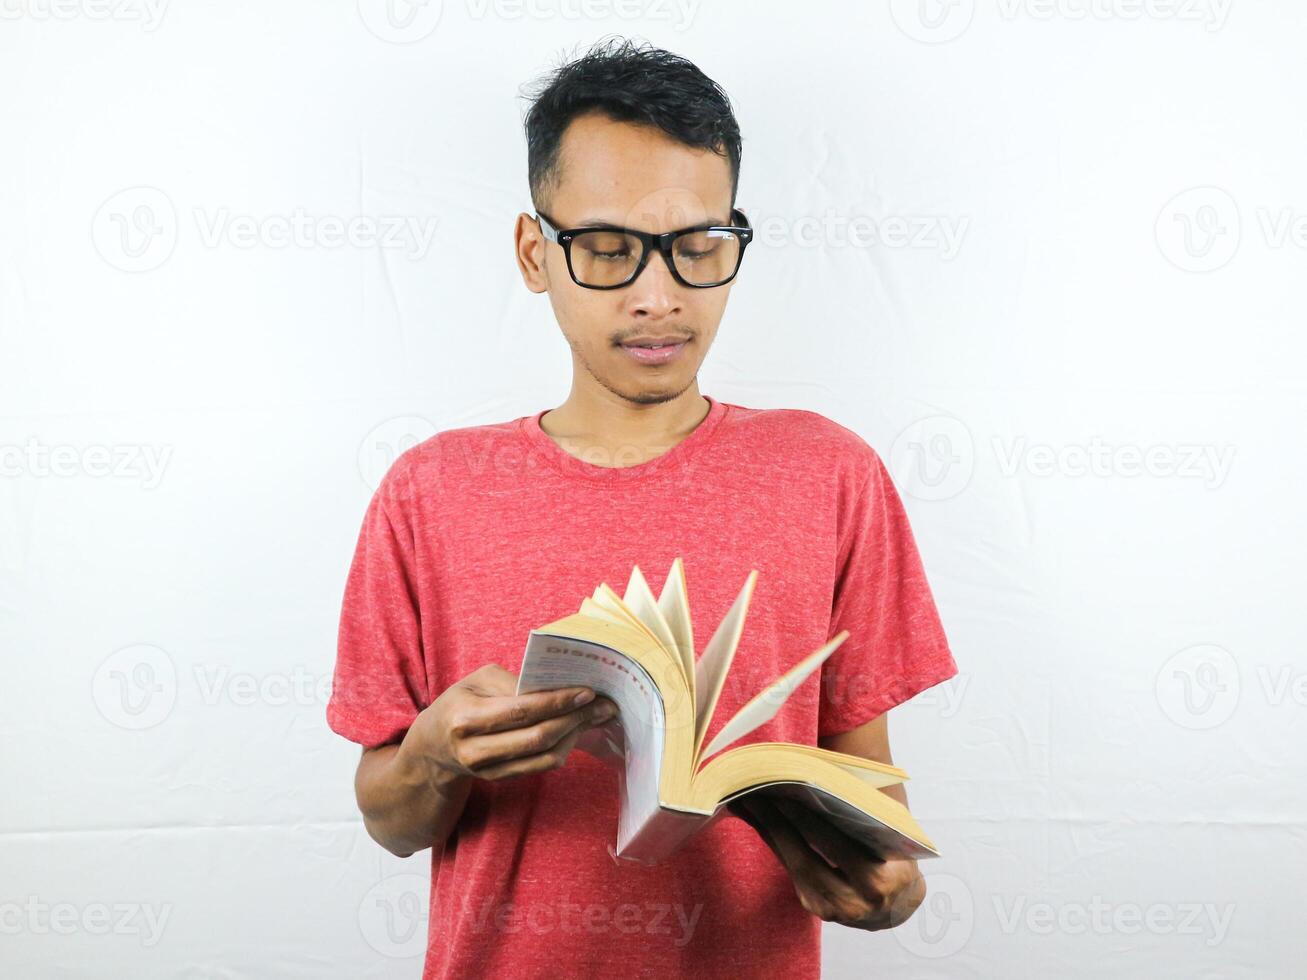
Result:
764,706
711,670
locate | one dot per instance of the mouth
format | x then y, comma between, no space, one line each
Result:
655,350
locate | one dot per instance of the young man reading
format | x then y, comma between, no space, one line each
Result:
480,534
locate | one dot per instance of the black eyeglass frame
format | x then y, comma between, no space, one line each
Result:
649,242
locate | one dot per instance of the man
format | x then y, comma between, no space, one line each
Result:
480,534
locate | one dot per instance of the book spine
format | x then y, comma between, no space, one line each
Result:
661,834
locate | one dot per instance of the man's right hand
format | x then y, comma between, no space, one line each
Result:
480,727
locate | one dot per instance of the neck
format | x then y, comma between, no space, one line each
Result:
610,430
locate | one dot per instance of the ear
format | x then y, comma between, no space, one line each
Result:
530,249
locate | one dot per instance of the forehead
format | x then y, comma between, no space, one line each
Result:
635,175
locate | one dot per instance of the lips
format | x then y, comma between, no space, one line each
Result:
655,350
663,341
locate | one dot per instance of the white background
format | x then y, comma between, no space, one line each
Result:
1084,365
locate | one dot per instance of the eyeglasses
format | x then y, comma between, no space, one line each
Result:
609,257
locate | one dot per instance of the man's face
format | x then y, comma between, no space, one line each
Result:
632,176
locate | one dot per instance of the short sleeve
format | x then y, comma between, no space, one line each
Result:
379,685
896,646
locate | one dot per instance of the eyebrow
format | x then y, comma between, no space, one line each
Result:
601,222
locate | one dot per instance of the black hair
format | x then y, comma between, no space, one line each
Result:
628,82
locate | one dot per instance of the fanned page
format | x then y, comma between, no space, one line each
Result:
764,706
674,604
711,670
610,600
640,600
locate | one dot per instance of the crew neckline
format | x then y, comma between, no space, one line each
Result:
567,464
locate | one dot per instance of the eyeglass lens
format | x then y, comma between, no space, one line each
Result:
609,258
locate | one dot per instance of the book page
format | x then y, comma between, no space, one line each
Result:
764,706
609,600
639,598
710,671
674,604
858,824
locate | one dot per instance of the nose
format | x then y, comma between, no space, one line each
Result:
655,290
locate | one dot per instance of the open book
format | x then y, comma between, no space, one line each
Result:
639,652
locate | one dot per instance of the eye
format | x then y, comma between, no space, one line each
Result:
694,254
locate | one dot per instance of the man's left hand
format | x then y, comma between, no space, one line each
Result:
837,878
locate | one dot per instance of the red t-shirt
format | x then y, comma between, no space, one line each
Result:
480,534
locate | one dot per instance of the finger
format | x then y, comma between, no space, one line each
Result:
807,869
491,679
821,889
839,848
501,713
479,751
528,765
906,901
